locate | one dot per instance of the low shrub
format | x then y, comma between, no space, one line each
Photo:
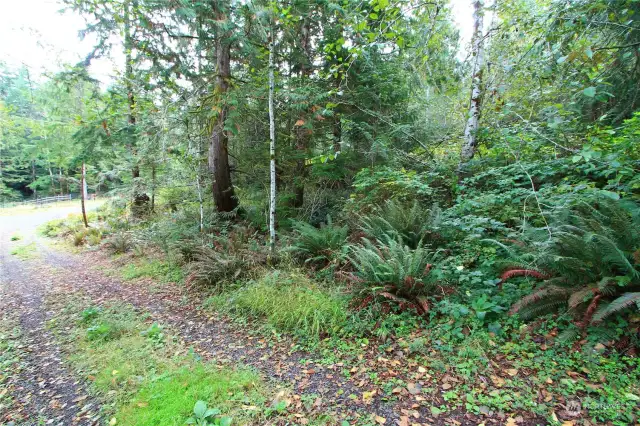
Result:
215,270
390,270
78,238
234,256
94,239
413,223
589,260
119,243
319,245
52,228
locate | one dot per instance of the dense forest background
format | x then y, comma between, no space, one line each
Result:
345,122
351,147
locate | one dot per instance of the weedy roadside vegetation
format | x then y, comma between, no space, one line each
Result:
144,374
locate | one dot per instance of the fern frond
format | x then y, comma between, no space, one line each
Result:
538,295
568,335
581,296
619,304
542,307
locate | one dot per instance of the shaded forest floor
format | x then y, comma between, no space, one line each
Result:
48,296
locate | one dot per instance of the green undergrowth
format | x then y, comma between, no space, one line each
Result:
144,375
524,369
66,226
163,271
9,361
25,251
290,302
459,362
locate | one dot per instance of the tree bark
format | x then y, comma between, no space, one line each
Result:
302,131
337,132
140,199
153,187
33,177
272,149
223,194
470,138
83,195
53,181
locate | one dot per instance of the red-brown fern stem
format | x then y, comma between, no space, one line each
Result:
423,303
348,276
516,242
588,314
364,303
522,273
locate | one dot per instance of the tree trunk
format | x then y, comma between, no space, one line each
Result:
200,200
337,132
272,149
223,194
62,180
140,199
470,138
83,195
33,177
302,131
153,186
53,181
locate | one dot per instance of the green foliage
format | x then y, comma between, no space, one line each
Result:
204,416
291,302
388,269
52,228
119,243
323,245
78,238
215,270
154,333
589,253
25,251
143,374
375,186
164,271
90,314
16,237
94,238
413,224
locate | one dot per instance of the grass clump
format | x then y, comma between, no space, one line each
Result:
52,228
166,272
25,251
16,237
169,398
291,302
